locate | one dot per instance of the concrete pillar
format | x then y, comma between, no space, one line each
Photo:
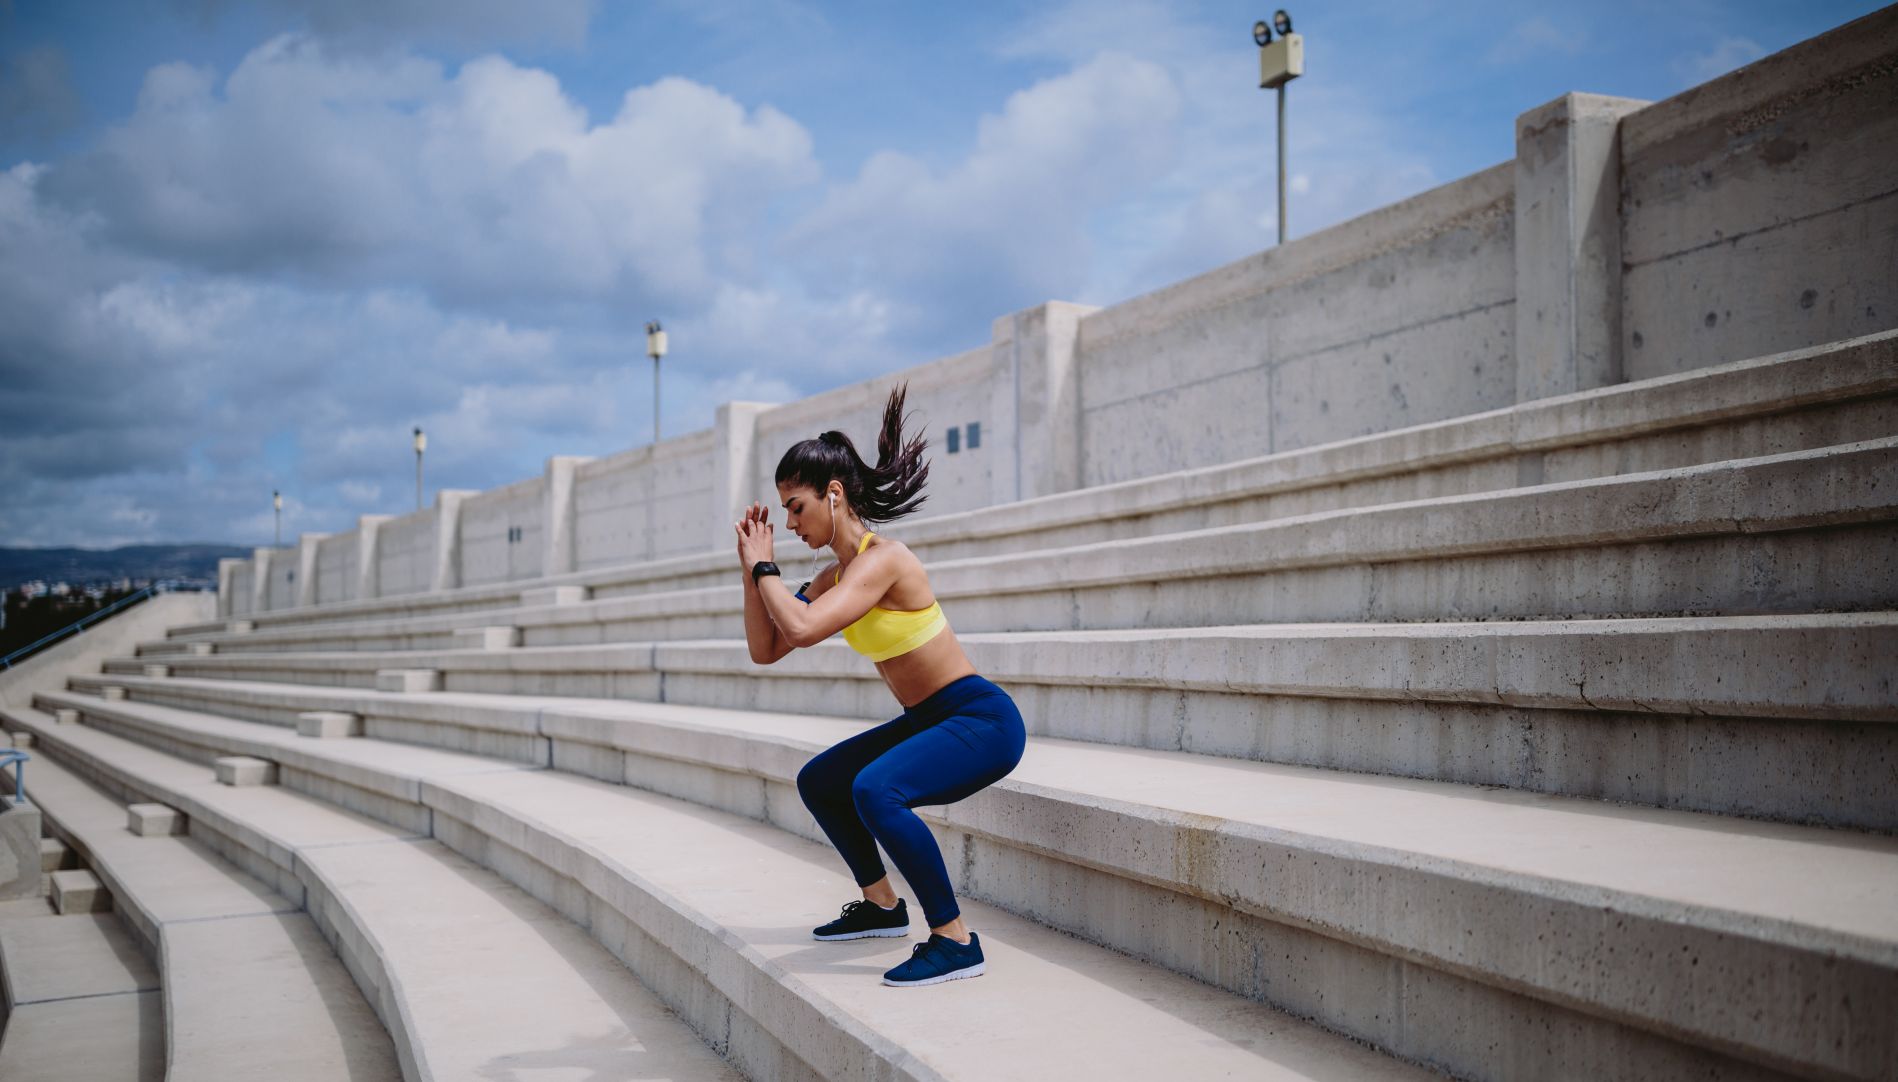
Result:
447,573
226,584
306,567
1037,400
260,579
734,443
368,532
1568,245
557,514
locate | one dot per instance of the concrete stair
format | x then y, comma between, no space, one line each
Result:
1676,713
81,1000
1229,871
1551,742
712,910
1803,400
469,974
249,987
1747,536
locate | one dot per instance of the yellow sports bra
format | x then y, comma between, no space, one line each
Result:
882,634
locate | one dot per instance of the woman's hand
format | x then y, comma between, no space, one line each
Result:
754,537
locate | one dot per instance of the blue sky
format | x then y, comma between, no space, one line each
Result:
246,246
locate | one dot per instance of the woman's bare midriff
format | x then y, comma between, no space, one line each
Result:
929,668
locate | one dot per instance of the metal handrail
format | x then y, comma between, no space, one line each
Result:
79,625
17,760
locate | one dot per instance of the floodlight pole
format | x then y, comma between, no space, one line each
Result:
655,348
1281,163
1280,61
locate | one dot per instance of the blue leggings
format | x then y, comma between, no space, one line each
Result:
958,741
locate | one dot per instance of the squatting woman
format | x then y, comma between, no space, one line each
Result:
958,733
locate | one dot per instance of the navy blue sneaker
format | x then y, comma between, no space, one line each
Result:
937,960
866,920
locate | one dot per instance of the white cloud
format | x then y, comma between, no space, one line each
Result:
485,187
1007,226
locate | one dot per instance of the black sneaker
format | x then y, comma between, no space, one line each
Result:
937,960
865,920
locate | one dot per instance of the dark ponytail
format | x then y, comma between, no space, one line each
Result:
881,493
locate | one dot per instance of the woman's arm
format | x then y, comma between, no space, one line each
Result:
864,583
761,634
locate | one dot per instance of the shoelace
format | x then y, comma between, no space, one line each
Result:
852,907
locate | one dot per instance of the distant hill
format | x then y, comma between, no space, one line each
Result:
77,565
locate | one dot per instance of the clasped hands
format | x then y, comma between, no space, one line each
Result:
754,536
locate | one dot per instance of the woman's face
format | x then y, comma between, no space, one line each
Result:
805,514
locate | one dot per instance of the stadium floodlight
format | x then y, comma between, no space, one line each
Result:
276,501
655,348
1280,62
421,444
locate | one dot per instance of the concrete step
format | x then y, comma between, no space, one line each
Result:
1802,400
1217,868
250,988
1694,713
1799,532
80,999
443,947
710,932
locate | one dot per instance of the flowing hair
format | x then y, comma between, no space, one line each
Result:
881,493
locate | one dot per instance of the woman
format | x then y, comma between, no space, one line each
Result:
958,733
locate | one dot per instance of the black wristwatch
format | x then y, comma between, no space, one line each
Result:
763,568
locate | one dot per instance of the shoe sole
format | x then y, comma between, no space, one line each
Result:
972,971
875,933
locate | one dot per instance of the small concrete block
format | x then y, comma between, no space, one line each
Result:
112,694
154,820
56,855
240,627
66,715
328,724
201,649
487,638
408,680
79,891
553,595
156,672
245,770
22,739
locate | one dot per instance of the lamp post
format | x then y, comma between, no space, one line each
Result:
421,444
276,500
655,348
1280,62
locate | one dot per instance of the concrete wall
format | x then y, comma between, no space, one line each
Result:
644,504
405,553
1760,210
942,394
1626,240
502,533
1400,317
336,570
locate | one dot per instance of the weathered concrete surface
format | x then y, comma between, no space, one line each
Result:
1113,841
50,957
20,856
1760,210
381,888
249,987
79,891
99,1038
245,770
1802,400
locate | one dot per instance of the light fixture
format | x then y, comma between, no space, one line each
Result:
1261,33
1281,22
421,444
1280,61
